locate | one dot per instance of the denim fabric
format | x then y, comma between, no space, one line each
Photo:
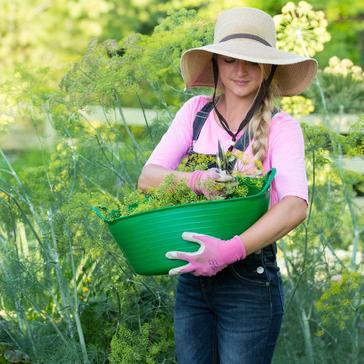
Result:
231,318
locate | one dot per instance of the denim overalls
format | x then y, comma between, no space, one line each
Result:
235,316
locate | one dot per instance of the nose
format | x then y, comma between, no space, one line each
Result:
241,67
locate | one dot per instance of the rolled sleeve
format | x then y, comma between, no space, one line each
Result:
288,157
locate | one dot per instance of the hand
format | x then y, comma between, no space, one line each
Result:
212,256
198,180
199,183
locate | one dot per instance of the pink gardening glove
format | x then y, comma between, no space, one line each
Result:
212,256
197,180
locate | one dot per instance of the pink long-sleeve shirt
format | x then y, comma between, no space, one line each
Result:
286,151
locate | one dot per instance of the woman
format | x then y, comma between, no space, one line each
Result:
229,300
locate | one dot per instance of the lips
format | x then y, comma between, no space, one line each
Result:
241,82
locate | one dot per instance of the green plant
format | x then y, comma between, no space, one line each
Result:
172,191
152,343
343,93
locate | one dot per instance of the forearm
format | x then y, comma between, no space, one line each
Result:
152,176
276,223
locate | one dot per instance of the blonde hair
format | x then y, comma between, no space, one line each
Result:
259,124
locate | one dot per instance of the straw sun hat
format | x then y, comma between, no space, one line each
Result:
248,34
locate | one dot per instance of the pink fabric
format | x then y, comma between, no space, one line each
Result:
285,148
212,256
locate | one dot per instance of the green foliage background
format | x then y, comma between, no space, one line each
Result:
66,293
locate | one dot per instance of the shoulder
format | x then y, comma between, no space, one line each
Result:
282,118
284,128
283,123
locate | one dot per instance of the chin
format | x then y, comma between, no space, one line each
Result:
243,91
244,94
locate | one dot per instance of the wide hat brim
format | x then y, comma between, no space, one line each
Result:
293,74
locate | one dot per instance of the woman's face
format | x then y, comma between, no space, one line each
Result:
241,78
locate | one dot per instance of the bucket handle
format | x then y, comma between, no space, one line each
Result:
99,214
271,176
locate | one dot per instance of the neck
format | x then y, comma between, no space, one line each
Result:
234,109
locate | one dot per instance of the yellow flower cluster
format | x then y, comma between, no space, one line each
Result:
297,105
340,302
85,289
300,29
244,166
344,67
195,162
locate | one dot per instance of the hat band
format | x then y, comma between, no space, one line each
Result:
245,35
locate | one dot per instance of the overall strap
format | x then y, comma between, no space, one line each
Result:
243,142
200,119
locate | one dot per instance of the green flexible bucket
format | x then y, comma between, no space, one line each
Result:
145,237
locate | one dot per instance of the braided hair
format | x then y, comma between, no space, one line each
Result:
259,124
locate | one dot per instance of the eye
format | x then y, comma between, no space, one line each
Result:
229,60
